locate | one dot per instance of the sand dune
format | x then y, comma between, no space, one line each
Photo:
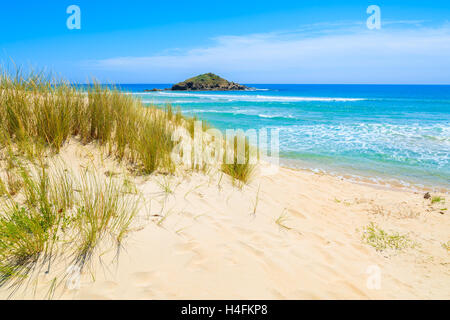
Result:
204,239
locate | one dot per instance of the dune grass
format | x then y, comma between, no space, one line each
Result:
44,209
58,213
46,114
29,226
102,209
240,168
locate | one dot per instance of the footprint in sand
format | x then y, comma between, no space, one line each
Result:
277,294
187,248
297,214
147,294
198,259
351,290
109,285
107,289
252,249
143,279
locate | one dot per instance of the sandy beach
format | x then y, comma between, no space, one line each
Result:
292,235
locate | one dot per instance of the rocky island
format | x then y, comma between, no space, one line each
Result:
208,82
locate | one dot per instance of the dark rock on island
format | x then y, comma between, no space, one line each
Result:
152,90
208,82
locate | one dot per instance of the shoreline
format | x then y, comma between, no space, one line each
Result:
392,183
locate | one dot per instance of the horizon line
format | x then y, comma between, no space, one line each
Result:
308,84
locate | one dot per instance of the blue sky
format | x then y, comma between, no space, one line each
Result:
246,41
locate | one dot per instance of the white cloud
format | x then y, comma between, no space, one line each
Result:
333,54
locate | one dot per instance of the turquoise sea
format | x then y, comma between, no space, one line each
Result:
385,132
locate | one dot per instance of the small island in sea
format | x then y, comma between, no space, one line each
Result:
208,82
205,82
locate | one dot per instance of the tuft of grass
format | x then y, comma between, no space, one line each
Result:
102,210
13,182
437,199
166,186
129,186
240,168
29,228
190,125
50,216
154,145
446,246
382,240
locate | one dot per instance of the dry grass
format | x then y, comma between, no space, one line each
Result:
57,214
45,209
282,219
36,113
240,168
